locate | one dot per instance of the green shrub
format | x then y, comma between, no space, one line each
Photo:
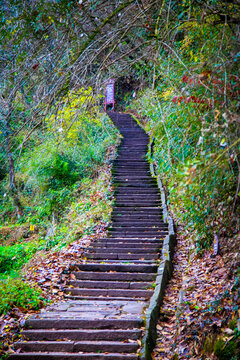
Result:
18,293
227,351
13,257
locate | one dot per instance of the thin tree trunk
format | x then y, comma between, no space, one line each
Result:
12,179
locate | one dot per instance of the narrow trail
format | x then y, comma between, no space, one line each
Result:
102,316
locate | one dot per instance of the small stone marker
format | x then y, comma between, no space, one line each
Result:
215,245
110,94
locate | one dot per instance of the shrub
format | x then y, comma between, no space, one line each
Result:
13,257
17,292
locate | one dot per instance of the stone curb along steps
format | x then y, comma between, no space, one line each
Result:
112,299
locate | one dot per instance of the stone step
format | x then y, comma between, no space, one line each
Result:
131,171
137,203
141,155
88,335
132,176
152,235
144,193
124,262
131,221
139,140
117,267
133,185
121,221
72,356
140,210
124,243
82,323
101,284
137,197
121,256
114,276
77,346
146,225
97,298
129,162
136,190
119,293
131,239
131,167
153,212
139,249
138,232
136,229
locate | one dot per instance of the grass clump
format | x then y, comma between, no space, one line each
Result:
18,293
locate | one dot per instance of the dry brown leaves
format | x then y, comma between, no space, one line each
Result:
198,301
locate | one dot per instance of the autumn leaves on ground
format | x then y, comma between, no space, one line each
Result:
200,311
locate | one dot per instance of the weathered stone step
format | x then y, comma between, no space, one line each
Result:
152,235
72,356
125,247
154,213
118,262
137,197
124,243
138,140
141,210
136,177
135,190
137,203
109,298
133,185
123,293
128,222
114,276
133,182
138,232
141,174
129,163
82,323
131,239
144,194
141,155
127,242
77,346
134,250
149,214
130,167
137,220
110,284
117,267
135,229
88,335
121,256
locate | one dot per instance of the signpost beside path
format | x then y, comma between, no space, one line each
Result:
110,94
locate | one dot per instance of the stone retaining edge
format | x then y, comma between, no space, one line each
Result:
164,274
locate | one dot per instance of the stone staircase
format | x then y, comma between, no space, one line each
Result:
102,316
